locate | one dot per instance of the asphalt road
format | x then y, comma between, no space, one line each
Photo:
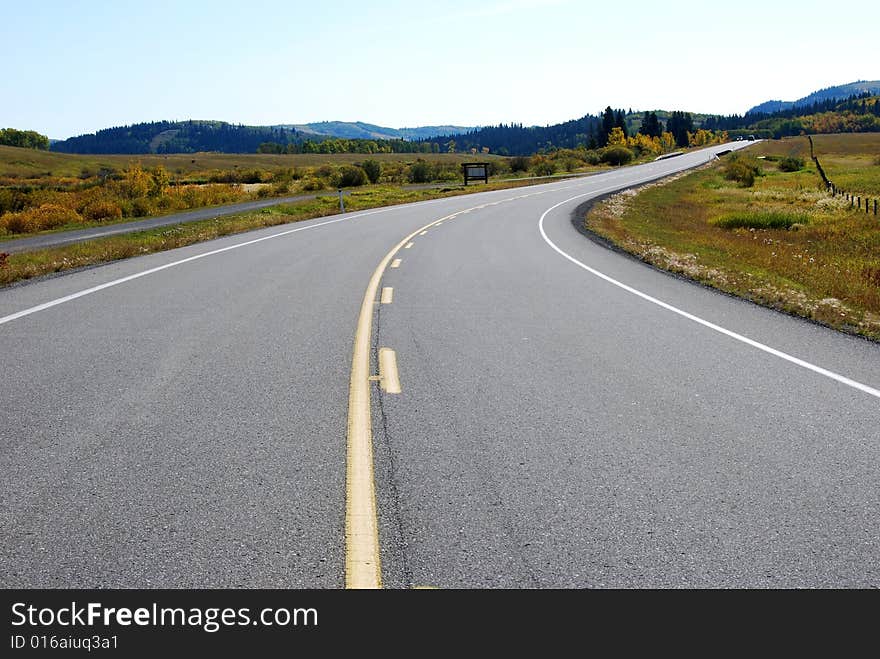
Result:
558,426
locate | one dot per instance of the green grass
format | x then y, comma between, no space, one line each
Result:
784,243
851,161
760,220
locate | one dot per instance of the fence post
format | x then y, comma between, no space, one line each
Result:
875,207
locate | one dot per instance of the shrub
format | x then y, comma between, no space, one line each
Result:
325,171
312,183
102,210
13,200
223,177
791,164
761,220
135,182
282,174
592,158
543,167
519,163
22,222
570,164
251,176
50,216
498,167
616,155
373,170
141,207
47,216
161,179
446,172
743,170
420,172
351,176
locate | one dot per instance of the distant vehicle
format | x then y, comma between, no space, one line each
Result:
751,138
739,139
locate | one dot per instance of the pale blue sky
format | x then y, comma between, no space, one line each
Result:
72,67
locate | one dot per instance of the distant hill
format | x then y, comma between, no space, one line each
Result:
361,130
177,137
193,136
838,92
859,113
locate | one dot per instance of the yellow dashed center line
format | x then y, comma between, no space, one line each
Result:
363,565
389,380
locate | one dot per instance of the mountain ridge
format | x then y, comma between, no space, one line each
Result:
363,130
836,92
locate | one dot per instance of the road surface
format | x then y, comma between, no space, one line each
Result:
568,416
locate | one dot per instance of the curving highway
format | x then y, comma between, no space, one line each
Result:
216,416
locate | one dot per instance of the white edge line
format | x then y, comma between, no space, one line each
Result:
739,337
144,273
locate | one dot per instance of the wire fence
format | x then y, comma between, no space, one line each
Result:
855,201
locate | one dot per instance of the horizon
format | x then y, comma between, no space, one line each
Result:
398,66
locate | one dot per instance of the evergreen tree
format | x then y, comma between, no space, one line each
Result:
651,126
620,122
607,126
680,124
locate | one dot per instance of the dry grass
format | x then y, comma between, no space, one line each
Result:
825,267
29,163
851,161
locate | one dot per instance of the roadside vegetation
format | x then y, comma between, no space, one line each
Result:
759,224
45,191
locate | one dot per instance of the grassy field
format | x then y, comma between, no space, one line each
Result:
784,242
29,163
852,162
45,191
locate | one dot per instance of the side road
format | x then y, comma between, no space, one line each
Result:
32,243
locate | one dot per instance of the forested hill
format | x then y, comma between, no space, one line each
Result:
590,131
836,93
516,139
363,131
177,137
857,114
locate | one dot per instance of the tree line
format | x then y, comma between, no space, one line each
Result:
855,114
177,137
27,139
588,132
